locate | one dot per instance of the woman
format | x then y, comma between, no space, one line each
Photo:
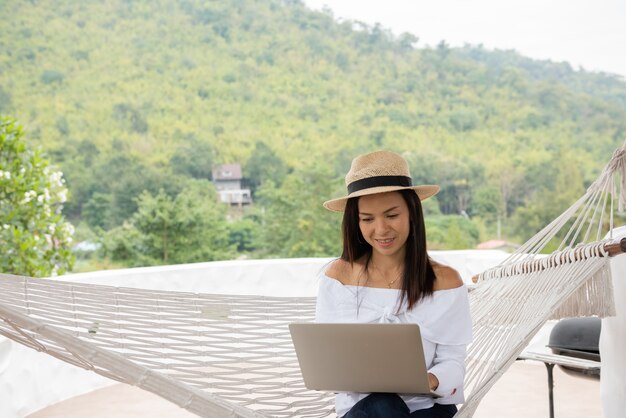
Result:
385,275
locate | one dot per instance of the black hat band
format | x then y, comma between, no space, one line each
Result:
379,181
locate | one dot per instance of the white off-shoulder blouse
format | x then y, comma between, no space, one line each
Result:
444,321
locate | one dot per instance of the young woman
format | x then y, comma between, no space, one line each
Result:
384,274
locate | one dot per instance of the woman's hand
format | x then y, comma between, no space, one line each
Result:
433,381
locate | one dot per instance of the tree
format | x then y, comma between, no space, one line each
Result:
486,203
195,159
294,223
549,202
97,211
407,41
264,165
451,174
450,232
190,227
125,177
242,234
34,237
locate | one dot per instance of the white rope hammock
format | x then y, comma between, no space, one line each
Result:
231,356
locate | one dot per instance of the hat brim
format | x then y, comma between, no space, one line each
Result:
423,192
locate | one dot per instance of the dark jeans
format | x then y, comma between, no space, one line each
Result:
390,405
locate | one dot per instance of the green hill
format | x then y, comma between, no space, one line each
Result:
142,95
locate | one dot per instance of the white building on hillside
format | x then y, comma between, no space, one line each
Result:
227,179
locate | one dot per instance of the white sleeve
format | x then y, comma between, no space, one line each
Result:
449,326
321,309
325,305
449,367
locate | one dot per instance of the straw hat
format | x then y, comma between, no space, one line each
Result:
378,172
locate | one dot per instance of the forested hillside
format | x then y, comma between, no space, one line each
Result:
135,101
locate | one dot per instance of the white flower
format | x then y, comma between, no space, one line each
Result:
45,196
5,226
28,196
6,174
69,228
57,178
63,195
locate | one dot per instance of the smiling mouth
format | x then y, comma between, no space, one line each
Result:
385,242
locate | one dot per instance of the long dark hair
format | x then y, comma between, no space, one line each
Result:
418,277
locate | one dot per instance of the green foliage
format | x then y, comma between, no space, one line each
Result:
565,187
455,177
190,227
451,233
97,211
5,101
52,76
195,159
34,237
264,165
130,118
124,244
63,126
431,206
106,190
464,119
141,96
293,221
485,201
242,234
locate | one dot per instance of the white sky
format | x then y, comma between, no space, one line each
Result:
587,33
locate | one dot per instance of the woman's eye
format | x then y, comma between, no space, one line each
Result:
395,215
366,220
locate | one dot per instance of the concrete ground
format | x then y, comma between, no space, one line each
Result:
522,392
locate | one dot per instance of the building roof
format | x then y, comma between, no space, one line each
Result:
227,172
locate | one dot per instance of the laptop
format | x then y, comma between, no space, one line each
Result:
362,357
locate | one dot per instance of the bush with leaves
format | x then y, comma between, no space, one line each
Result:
451,232
190,227
34,237
293,220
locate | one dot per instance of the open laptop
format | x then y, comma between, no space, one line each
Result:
362,357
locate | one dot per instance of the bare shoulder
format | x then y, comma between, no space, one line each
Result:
340,270
446,277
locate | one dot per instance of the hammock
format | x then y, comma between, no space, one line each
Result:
231,356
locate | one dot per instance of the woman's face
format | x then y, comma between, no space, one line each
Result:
384,222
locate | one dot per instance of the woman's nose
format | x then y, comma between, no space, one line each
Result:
381,225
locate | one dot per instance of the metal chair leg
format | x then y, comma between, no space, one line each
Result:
550,367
